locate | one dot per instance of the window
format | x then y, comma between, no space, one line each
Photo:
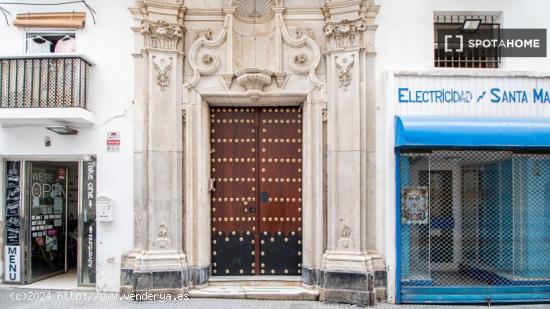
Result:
50,42
453,57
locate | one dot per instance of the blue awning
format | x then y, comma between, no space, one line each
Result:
438,131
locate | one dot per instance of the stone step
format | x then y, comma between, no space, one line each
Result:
255,292
292,281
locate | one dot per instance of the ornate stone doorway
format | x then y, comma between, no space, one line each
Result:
256,201
268,56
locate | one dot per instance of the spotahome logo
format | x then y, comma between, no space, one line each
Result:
505,42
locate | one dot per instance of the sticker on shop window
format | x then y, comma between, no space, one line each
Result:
415,205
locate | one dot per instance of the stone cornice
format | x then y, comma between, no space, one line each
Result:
161,7
346,8
342,4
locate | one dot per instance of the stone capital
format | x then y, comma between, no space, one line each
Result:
345,34
161,35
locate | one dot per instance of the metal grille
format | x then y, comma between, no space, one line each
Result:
44,82
472,57
475,218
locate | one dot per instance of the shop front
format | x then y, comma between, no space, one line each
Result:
472,158
49,220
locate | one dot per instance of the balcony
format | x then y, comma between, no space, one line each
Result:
45,89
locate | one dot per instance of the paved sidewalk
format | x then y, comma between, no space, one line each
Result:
24,298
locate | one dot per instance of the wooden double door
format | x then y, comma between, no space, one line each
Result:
256,205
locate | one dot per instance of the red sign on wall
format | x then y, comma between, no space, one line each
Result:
113,141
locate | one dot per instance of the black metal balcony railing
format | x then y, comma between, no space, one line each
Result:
44,81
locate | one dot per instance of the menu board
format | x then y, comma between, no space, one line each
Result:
12,269
13,203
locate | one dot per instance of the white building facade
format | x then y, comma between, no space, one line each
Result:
329,147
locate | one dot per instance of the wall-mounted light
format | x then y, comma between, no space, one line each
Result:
471,25
63,130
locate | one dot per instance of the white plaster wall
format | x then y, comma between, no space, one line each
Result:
404,38
108,44
404,41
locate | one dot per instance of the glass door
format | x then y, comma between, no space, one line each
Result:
47,204
442,227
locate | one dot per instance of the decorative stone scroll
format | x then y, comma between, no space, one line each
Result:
206,54
161,35
210,62
345,34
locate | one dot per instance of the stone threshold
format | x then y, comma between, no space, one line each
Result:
295,281
255,292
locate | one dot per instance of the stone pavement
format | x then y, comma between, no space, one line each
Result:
25,298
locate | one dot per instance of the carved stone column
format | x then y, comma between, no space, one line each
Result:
157,264
348,273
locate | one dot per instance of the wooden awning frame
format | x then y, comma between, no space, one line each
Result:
51,20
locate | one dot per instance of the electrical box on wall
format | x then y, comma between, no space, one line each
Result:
104,209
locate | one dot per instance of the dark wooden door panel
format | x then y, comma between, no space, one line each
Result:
256,163
233,168
280,164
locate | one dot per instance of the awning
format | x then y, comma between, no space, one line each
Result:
56,20
439,131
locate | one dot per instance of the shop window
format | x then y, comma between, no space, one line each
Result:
450,55
61,42
474,218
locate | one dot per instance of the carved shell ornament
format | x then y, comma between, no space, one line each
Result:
253,79
253,8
